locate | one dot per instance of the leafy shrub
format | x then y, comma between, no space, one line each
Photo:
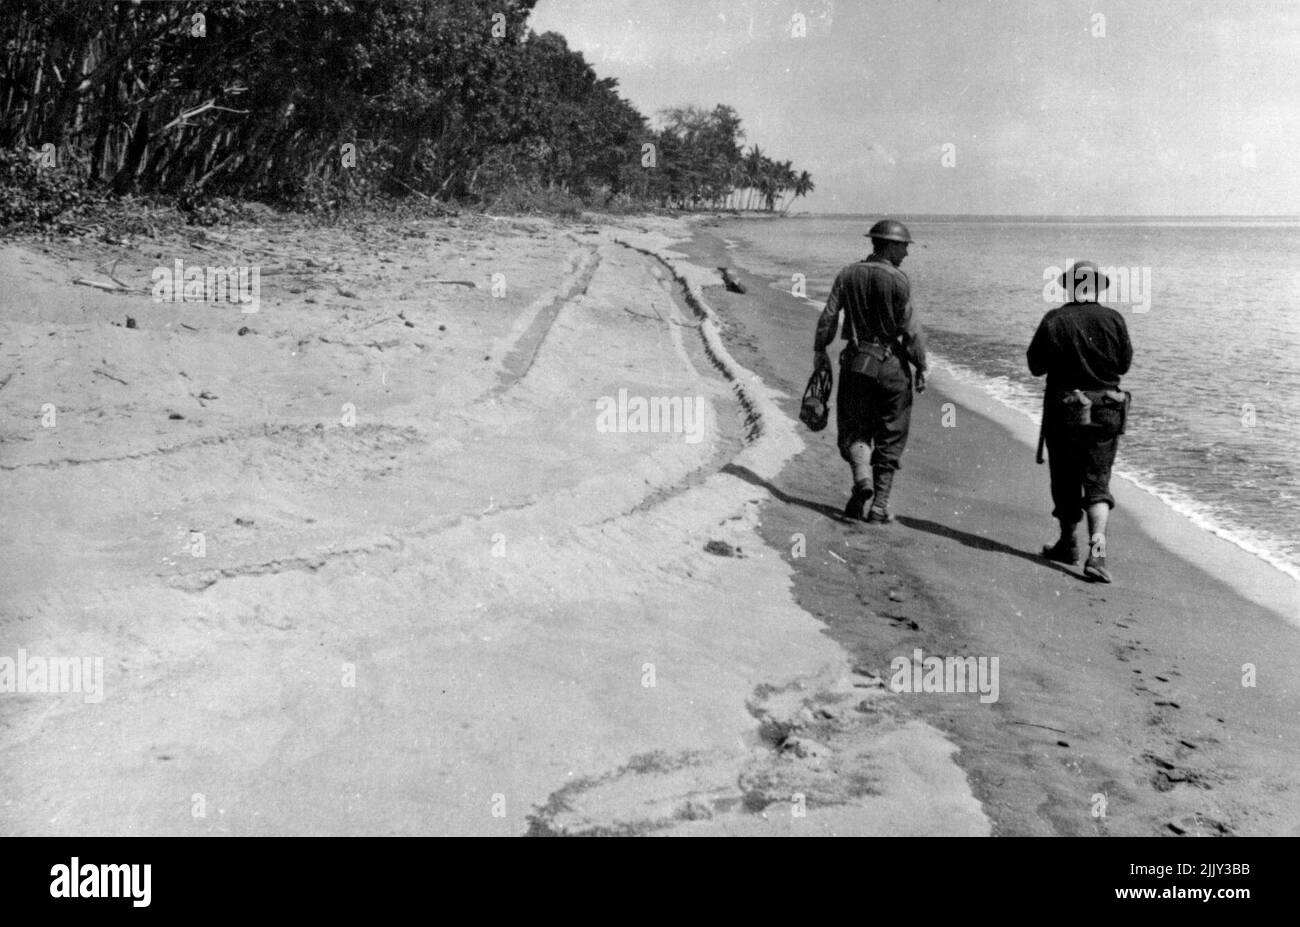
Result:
531,199
32,195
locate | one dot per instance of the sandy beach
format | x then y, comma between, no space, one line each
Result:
391,555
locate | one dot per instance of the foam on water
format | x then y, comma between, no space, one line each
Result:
1017,396
1219,334
1209,518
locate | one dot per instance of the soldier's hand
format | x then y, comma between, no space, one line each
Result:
920,381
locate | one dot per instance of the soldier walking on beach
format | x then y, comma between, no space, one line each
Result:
1084,348
884,354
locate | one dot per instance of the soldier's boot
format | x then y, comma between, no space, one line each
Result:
1065,550
1095,566
856,509
883,483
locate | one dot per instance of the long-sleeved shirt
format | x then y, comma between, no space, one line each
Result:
1081,346
876,299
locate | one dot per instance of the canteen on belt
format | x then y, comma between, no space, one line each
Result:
1078,409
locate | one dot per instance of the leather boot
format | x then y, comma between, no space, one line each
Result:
883,482
856,509
1065,550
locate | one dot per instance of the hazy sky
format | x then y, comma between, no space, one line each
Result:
1180,108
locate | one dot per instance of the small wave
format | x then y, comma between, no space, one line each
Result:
1148,454
1213,519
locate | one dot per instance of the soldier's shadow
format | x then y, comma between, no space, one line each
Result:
749,476
916,524
978,542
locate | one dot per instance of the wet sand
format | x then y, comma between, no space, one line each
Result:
1132,691
366,561
434,596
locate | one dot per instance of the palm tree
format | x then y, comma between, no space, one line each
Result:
735,180
753,164
780,178
803,185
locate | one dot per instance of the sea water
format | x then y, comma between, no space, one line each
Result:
1215,424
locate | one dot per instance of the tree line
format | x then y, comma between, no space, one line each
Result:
338,100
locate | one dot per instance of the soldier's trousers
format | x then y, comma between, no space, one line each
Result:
874,411
1080,460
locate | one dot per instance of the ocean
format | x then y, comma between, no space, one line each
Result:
1213,310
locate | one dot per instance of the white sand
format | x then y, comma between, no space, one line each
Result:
499,577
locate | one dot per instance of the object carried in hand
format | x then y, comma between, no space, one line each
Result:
815,411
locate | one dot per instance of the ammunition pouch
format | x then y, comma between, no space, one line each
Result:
1105,408
867,358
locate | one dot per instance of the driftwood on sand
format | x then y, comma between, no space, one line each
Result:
730,282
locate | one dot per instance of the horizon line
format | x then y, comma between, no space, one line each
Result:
1050,216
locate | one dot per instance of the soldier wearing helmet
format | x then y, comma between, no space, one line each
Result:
884,355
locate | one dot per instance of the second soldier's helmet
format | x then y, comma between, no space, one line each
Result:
889,230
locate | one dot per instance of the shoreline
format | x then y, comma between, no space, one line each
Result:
1256,573
1130,691
1246,571
402,623
501,611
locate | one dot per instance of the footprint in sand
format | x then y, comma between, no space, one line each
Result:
1197,825
1125,651
1168,775
900,620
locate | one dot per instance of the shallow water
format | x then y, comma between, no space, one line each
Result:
1213,309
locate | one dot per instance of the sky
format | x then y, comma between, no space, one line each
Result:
1011,107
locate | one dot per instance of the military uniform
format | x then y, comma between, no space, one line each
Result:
1083,347
874,403
1086,347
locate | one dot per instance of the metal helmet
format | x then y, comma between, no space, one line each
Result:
890,230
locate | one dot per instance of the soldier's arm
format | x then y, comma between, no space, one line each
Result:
829,320
1039,353
1125,347
909,329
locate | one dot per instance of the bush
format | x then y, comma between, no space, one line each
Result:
32,195
529,199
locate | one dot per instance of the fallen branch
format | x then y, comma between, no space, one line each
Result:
1043,726
111,271
387,318
109,376
109,287
730,282
112,274
411,188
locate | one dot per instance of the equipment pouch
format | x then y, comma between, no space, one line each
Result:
1103,409
868,359
1108,402
1076,409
